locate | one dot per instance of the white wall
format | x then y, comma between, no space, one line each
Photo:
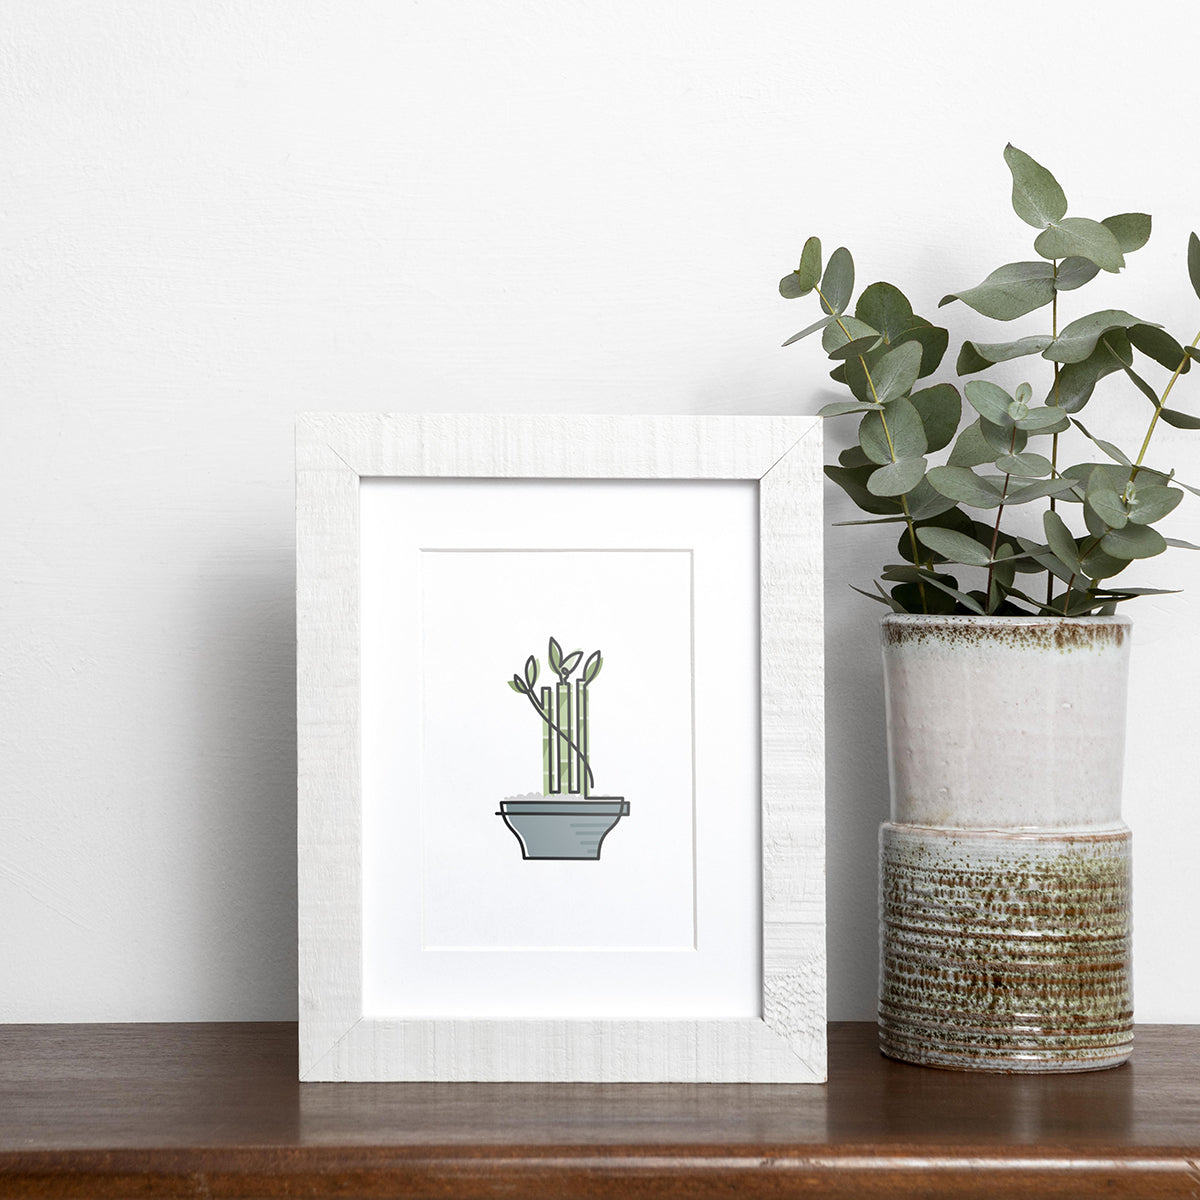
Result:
218,214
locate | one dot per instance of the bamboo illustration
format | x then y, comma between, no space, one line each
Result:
564,714
569,822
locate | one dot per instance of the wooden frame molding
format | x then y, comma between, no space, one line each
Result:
783,455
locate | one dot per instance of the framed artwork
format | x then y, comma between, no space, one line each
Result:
561,748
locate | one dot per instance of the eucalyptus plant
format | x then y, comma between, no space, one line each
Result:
1099,515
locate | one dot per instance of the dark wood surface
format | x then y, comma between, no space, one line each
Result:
215,1111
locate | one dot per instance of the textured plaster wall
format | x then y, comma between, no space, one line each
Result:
215,215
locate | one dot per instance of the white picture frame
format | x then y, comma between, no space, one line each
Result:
782,457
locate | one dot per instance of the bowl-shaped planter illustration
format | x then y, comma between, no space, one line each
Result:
557,827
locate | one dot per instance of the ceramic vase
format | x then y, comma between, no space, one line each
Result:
1005,866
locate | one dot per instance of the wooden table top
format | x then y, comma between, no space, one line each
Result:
215,1110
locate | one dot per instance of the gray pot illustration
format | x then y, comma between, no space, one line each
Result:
563,828
567,821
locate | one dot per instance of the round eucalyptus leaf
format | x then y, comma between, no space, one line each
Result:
971,448
932,339
885,307
990,401
906,429
1044,420
1132,230
965,487
844,329
809,270
1079,237
1105,501
1002,441
896,478
1078,339
1061,540
949,517
853,373
790,287
874,440
926,502
954,547
1159,345
1096,564
1074,273
837,284
896,372
1027,465
940,410
1036,196
853,481
853,456
1133,541
1075,382
1150,504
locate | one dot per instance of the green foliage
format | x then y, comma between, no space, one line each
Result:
1003,449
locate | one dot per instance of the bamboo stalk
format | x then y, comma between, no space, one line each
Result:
549,778
564,757
581,731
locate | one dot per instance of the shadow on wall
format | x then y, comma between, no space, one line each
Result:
245,710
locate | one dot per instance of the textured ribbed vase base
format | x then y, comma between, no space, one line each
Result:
1005,951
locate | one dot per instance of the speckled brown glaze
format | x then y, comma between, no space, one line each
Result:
1051,633
1005,952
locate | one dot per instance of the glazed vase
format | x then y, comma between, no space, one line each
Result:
1005,867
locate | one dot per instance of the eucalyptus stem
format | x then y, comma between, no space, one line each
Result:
1054,437
1012,442
1137,466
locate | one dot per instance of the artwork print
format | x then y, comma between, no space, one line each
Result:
567,819
559,747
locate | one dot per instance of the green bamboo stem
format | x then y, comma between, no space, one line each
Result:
548,740
564,765
581,732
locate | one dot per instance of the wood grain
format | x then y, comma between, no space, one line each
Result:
215,1110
